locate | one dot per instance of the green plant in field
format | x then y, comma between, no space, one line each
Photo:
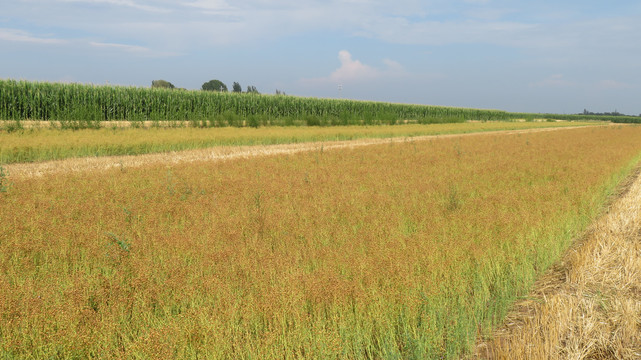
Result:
4,182
458,150
118,248
123,244
260,214
13,126
454,200
170,182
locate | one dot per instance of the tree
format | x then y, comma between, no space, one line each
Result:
237,88
252,90
162,84
214,85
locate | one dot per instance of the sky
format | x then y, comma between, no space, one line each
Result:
550,56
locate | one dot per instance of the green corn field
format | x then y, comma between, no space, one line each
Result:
88,105
23,100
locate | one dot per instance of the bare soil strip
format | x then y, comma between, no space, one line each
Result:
221,153
589,305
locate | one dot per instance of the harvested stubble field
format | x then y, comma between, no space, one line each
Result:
407,249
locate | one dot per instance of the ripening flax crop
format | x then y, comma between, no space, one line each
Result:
400,250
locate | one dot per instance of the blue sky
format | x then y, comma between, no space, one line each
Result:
531,56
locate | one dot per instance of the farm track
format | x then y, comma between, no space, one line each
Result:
587,306
221,153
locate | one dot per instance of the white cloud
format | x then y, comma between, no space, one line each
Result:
352,70
131,49
212,6
394,66
126,3
556,81
403,31
23,36
409,22
612,85
489,14
20,36
121,47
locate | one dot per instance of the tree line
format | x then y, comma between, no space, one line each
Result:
615,113
211,85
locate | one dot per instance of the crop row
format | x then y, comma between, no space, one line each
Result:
22,100
80,105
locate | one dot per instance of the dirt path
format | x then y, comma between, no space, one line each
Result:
588,306
221,153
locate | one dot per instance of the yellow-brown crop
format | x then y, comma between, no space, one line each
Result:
41,144
399,250
589,305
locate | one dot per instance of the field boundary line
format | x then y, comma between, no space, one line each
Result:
223,153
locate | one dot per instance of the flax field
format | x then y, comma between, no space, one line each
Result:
402,250
43,144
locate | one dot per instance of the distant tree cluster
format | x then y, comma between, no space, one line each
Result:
214,85
615,113
162,84
217,85
211,85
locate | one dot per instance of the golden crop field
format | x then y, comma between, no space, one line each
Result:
399,250
41,144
